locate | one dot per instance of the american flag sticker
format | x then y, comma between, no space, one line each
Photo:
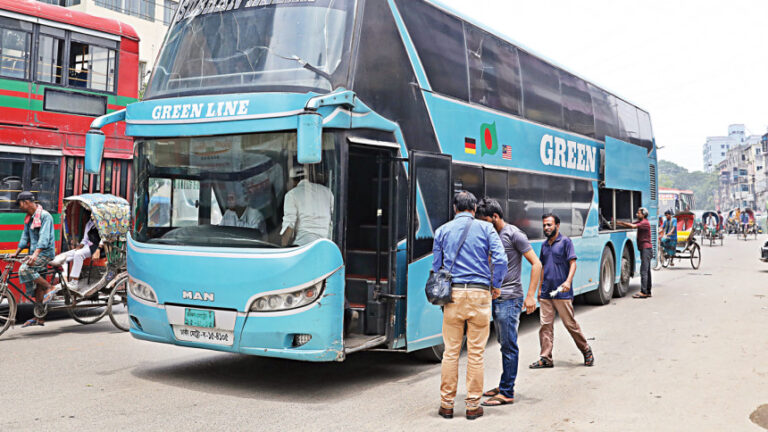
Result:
506,152
470,146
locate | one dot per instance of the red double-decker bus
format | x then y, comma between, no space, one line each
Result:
60,69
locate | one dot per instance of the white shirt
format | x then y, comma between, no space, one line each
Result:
308,209
251,218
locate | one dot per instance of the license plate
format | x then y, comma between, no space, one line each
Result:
203,335
200,318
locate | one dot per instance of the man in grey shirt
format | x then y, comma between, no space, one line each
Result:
507,307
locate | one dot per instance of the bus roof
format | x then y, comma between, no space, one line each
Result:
503,36
68,16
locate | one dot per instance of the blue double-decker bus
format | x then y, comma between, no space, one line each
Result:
293,160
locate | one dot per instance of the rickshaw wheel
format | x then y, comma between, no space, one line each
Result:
88,311
695,257
40,310
118,304
7,311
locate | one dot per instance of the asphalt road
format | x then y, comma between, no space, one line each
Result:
694,357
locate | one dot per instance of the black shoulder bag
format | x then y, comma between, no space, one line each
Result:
438,288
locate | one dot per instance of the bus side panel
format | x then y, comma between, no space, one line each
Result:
425,321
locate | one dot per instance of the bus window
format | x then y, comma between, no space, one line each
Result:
494,71
646,133
496,187
577,105
468,178
44,182
581,197
14,53
526,203
50,59
91,66
439,39
629,130
557,200
159,203
606,121
541,91
11,176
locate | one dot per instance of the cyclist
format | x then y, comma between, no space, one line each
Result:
669,237
39,237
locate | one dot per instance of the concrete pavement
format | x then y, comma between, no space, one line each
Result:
694,357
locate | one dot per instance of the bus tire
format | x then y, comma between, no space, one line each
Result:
602,295
433,354
622,287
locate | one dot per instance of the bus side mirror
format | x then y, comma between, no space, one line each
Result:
309,137
94,149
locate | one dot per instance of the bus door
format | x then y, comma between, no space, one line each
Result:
429,207
370,252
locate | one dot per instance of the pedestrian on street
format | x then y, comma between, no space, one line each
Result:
507,308
645,246
473,286
38,236
558,259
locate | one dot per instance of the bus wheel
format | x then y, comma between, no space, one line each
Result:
433,354
602,295
622,288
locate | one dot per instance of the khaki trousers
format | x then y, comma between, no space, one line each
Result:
564,308
473,307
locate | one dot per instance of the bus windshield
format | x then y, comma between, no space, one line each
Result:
251,47
234,191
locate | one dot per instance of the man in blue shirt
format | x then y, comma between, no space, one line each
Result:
474,284
39,237
558,260
669,236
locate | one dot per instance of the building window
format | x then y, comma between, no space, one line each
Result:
144,9
14,53
169,8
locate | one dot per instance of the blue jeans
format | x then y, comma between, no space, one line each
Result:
506,318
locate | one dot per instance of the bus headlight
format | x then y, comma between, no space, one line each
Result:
141,290
272,302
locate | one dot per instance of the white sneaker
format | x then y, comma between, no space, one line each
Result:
70,285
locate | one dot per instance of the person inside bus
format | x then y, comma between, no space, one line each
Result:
669,236
39,238
242,216
88,248
308,210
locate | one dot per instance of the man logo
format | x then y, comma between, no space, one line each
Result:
189,295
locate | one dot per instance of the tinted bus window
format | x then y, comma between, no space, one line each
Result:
494,71
439,39
557,200
646,132
14,53
496,187
541,91
526,203
468,178
581,197
629,130
577,105
383,78
606,122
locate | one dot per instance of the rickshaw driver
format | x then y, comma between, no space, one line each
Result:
39,237
744,222
669,239
712,225
88,248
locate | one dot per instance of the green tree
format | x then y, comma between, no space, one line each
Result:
702,184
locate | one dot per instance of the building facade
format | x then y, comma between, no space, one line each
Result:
150,19
715,148
742,180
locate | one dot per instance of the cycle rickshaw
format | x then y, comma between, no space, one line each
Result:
101,289
686,237
750,229
715,234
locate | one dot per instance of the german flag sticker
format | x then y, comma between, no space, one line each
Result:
470,146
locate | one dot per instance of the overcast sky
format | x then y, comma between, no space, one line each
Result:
695,65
